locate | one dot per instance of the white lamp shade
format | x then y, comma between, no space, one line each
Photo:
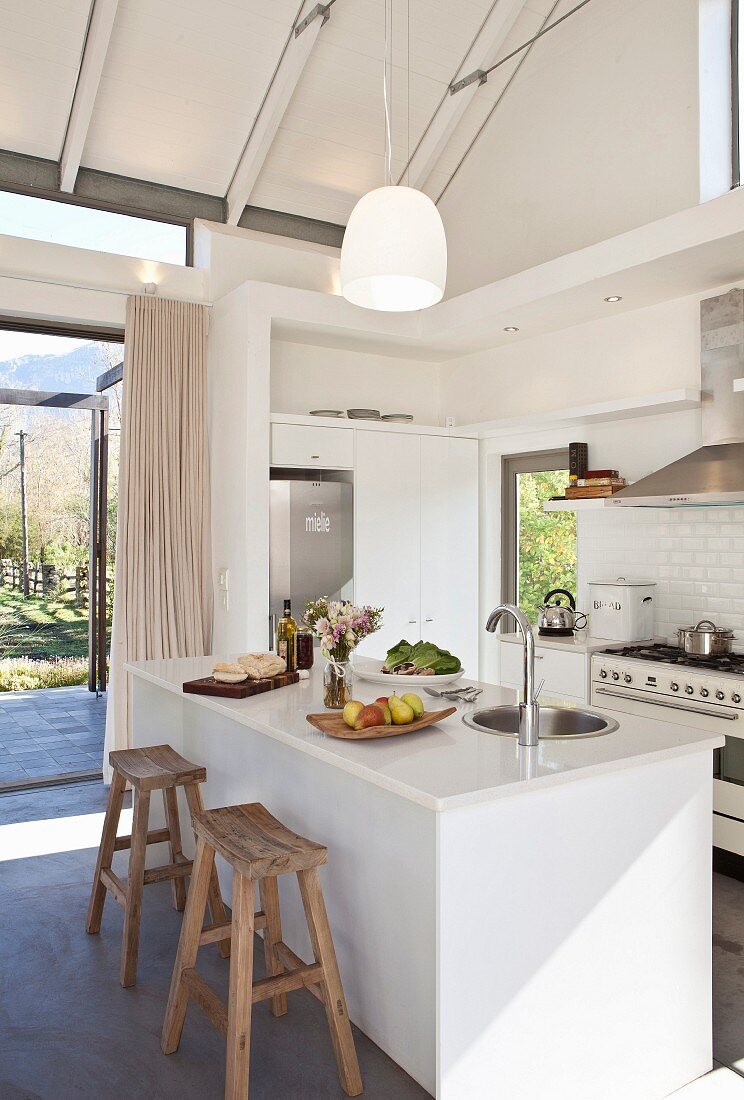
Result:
394,255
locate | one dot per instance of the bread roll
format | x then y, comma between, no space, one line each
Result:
226,672
261,665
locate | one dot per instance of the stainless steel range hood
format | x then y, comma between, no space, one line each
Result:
714,474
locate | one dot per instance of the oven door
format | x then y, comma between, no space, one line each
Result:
728,796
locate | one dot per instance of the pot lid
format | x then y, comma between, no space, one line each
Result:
705,626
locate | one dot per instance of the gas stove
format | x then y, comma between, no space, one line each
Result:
673,655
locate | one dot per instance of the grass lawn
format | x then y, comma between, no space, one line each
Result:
41,628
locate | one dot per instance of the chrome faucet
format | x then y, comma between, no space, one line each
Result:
529,710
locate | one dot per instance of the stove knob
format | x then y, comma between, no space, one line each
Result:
603,673
736,698
720,695
689,689
674,685
616,676
704,692
628,678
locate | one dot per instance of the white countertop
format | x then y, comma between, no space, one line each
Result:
580,642
443,767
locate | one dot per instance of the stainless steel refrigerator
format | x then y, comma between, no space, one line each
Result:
311,533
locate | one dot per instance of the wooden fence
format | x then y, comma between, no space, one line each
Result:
47,580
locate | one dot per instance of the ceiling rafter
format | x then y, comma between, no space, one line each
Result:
482,53
98,36
286,77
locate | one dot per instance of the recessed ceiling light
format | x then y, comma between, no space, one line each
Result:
511,328
614,298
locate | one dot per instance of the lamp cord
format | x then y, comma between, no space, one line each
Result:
386,98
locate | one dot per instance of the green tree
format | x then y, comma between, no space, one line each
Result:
546,550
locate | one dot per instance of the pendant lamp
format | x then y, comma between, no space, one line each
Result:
394,252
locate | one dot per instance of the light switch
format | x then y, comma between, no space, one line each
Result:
223,579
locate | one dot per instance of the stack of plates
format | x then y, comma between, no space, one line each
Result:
398,418
363,414
326,412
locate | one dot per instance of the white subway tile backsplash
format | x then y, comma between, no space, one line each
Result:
697,560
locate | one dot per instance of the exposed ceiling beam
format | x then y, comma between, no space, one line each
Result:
286,77
97,40
481,55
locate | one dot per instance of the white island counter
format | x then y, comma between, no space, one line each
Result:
510,923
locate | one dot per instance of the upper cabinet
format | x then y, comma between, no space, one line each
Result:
308,446
416,531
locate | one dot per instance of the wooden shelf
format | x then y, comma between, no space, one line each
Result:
574,505
649,404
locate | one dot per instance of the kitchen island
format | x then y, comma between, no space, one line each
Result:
516,923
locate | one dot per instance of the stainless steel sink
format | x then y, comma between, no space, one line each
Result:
555,723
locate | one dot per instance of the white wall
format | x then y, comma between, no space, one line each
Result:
695,555
598,134
238,387
231,256
624,355
305,377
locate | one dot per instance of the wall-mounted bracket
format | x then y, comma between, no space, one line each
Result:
323,10
480,75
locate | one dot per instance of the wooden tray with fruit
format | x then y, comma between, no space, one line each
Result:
388,716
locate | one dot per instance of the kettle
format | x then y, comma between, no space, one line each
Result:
555,618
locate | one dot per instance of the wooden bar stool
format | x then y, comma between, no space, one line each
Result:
259,848
158,767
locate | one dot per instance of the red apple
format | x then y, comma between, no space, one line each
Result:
371,715
382,699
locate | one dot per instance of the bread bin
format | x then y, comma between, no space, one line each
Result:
622,609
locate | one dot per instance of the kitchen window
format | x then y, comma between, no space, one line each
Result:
538,547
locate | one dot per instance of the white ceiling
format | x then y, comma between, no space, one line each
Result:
183,82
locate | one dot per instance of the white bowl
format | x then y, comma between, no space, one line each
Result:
368,668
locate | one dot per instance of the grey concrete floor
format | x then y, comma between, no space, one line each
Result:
53,731
68,1029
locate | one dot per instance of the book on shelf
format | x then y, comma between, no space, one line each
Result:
590,475
589,492
586,482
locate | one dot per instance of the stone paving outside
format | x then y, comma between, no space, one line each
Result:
54,731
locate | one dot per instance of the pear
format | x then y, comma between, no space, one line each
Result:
369,716
415,702
402,713
352,711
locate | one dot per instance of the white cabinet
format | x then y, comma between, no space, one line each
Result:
449,545
387,534
416,532
309,446
565,673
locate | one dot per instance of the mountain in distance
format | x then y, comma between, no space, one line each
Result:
74,371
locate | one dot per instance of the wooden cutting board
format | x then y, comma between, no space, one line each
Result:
334,725
207,685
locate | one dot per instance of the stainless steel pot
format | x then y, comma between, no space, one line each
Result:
704,640
556,618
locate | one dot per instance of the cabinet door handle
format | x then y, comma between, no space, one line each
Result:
315,456
428,620
411,622
538,657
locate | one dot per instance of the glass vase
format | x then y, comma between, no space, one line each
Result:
338,682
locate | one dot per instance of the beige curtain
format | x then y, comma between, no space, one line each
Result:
163,584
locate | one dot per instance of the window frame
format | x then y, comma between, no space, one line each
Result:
111,208
736,78
525,462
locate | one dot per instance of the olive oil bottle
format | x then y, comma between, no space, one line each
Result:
286,629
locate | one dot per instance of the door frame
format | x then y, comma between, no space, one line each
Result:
99,410
526,462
